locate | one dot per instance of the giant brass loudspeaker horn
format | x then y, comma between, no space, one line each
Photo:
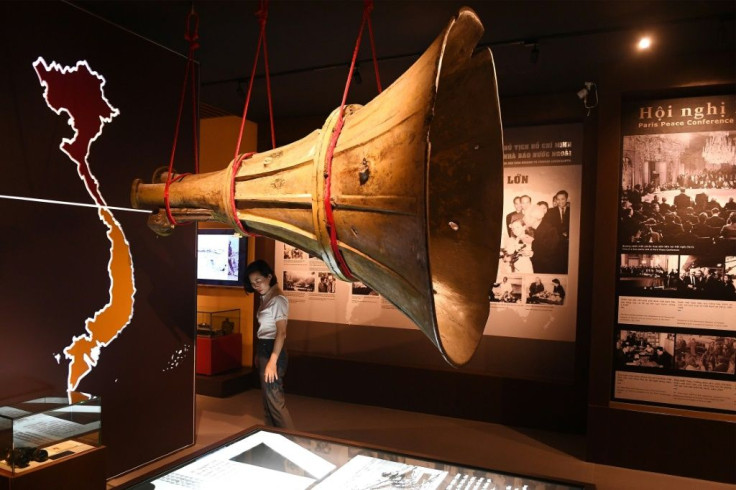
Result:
416,191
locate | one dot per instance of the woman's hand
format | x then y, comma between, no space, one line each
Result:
270,373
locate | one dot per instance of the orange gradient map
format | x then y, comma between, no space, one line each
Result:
78,91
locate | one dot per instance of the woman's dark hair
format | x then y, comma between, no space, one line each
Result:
262,267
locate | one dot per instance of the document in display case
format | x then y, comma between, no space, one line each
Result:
272,459
38,432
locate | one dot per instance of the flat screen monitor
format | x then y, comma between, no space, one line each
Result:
221,258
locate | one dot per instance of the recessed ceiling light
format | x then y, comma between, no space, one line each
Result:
644,43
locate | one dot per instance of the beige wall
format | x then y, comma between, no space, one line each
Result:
218,137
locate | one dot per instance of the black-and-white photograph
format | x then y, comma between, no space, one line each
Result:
677,276
507,290
707,353
326,283
645,349
548,290
648,272
679,189
360,289
293,253
299,281
537,234
706,277
730,267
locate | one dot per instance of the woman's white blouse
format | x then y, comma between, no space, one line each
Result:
274,307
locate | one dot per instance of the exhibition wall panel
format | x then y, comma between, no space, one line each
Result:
92,300
639,433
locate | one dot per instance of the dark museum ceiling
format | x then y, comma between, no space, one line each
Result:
310,42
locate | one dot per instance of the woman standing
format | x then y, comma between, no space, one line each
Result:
271,357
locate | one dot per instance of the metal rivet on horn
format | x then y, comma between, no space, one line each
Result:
267,161
454,226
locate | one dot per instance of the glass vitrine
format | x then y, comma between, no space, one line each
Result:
271,459
43,430
217,323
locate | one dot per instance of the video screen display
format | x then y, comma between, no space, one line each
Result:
221,257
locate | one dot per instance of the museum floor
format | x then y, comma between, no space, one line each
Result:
493,446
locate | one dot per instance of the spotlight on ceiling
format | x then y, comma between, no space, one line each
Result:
644,43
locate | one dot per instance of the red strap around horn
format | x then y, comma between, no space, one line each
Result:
233,206
329,215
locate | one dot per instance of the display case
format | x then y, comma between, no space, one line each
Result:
44,430
219,342
268,458
218,323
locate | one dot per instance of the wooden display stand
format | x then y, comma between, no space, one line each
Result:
83,471
218,354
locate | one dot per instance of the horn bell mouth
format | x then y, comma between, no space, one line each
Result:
465,190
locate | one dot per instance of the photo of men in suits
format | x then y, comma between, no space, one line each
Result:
548,250
677,276
682,200
673,168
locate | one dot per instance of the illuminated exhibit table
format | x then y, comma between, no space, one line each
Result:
273,459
